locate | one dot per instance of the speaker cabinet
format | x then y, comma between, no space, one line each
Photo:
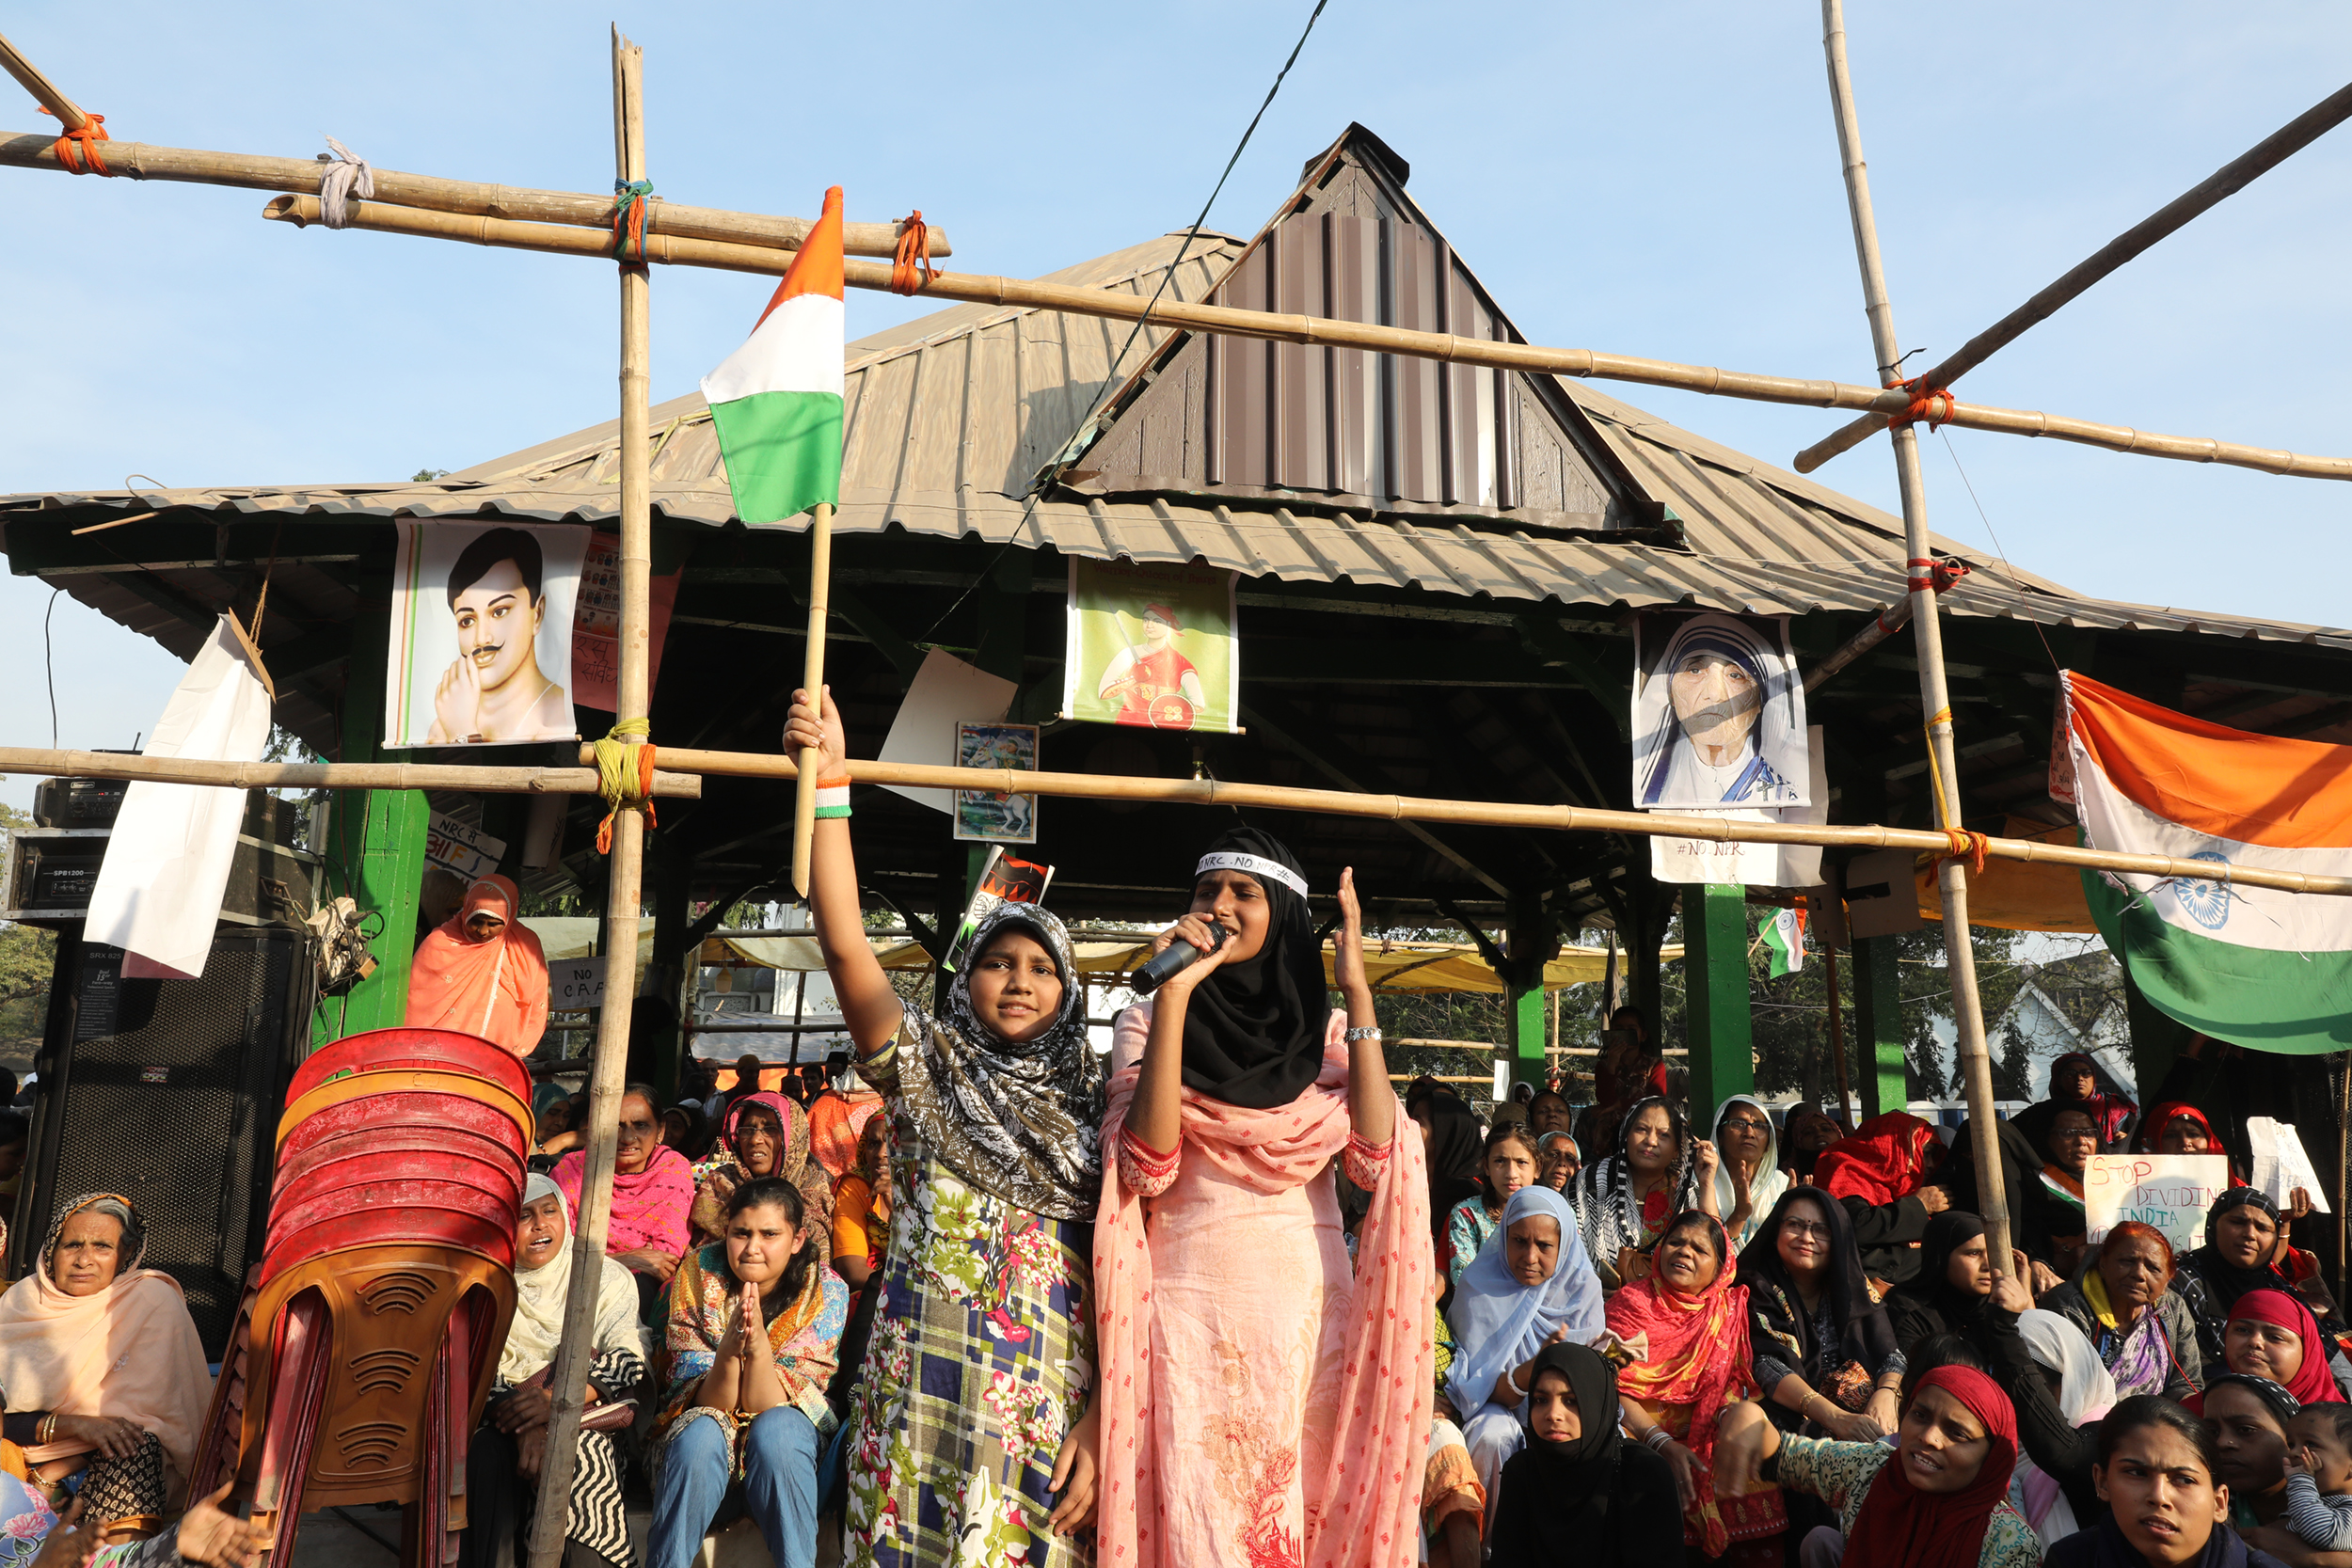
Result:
167,1092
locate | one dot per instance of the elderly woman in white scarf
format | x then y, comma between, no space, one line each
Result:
1748,1177
503,1461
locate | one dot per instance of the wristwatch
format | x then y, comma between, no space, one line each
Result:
1366,1031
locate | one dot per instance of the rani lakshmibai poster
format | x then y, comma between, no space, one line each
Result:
482,634
1153,645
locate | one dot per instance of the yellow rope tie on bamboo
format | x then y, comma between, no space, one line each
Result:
626,784
1966,844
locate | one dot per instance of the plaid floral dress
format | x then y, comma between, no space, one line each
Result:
982,1360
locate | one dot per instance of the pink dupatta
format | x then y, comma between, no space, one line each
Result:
1381,1427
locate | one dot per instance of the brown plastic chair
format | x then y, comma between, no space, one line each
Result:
365,1346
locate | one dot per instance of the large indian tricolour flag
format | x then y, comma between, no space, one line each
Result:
2257,968
776,401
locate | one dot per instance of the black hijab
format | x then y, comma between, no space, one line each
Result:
1932,1299
1253,1031
2225,1280
1555,1508
1776,1310
1456,1152
2021,1179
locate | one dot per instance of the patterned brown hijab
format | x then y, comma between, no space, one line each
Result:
1019,1119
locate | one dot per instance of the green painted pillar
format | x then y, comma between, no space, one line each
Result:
374,844
1878,1032
1530,1035
1716,969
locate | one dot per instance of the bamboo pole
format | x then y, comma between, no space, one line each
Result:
469,197
1934,698
68,113
1486,814
568,1382
1890,620
667,784
2216,188
1837,1030
812,681
1322,331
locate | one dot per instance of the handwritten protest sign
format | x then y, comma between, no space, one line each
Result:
2171,1192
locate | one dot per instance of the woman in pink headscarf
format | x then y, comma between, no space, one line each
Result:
483,973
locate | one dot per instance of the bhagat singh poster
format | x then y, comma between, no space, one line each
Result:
1718,713
482,634
1152,645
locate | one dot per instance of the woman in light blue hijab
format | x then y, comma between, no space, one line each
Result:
1531,1285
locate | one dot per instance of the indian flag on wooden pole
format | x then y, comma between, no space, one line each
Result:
1782,935
776,401
2247,965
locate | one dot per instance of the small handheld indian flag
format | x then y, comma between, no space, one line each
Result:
1783,935
776,401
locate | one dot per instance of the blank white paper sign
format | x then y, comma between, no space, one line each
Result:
946,691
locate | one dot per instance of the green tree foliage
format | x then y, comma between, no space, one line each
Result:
27,954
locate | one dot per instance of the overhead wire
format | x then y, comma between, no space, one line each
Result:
1094,403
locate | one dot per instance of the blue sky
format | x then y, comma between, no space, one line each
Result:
1657,180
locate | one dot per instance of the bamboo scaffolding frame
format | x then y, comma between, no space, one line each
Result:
1936,701
1323,331
668,785
1485,813
30,77
467,197
2216,188
568,1380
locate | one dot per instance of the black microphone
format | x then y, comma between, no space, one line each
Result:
1179,957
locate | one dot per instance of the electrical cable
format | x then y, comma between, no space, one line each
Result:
1094,404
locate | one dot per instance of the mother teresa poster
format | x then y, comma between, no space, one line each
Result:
482,634
1718,713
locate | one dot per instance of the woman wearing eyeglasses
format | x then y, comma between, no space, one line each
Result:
2072,1139
1825,1353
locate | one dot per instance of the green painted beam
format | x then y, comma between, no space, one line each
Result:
1878,1032
375,845
1715,970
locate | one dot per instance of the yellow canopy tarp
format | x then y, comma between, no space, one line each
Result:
2019,895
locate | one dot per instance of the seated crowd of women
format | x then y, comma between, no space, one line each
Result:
1705,1351
1223,1299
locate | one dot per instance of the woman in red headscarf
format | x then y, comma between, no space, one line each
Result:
1939,1499
1880,1174
2176,1127
1687,1327
483,973
2270,1333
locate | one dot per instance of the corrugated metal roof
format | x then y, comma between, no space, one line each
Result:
951,416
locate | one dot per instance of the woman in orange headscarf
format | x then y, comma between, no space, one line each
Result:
483,973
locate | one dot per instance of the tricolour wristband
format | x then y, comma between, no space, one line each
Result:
832,797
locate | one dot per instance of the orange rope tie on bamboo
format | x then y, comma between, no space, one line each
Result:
87,160
630,198
915,250
1938,576
1923,404
624,778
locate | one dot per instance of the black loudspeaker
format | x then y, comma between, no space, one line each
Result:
167,1092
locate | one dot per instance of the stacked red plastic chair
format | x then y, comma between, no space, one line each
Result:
369,1334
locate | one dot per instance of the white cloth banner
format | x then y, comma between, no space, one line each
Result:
159,888
1722,862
